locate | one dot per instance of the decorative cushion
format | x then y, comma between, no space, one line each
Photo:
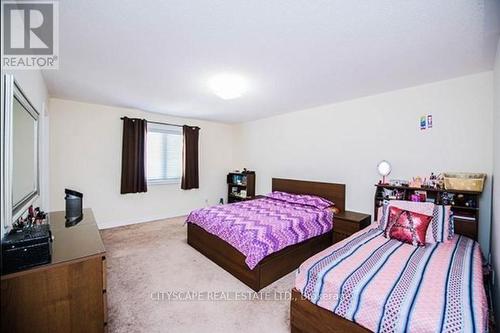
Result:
301,199
408,227
442,225
382,215
425,208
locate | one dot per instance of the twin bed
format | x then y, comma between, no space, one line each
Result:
371,283
364,283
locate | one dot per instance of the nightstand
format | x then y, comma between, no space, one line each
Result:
347,223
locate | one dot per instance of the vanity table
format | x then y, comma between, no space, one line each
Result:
67,295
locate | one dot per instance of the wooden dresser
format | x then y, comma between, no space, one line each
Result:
67,295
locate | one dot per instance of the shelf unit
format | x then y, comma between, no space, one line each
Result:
465,205
237,181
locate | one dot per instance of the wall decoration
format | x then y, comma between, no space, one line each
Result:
423,122
429,121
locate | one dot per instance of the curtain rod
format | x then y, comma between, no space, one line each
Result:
160,123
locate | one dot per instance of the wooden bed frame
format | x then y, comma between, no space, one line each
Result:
307,317
279,263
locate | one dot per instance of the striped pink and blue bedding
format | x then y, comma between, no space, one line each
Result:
389,286
263,226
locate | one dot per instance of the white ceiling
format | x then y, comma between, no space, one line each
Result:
157,55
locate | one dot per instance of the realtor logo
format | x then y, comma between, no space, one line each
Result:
30,34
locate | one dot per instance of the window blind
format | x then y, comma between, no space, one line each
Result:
164,153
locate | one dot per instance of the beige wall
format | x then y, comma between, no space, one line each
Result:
495,227
344,142
85,155
337,143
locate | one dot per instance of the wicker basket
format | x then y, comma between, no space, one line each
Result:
463,181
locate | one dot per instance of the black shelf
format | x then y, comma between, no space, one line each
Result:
247,184
464,208
462,226
239,185
465,220
430,189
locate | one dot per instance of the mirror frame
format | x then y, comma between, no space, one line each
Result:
11,90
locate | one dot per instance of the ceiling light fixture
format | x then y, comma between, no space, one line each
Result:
228,86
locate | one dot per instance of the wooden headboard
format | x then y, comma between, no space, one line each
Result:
330,191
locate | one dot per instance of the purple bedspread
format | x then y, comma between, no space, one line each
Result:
260,227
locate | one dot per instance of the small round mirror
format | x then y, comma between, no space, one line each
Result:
384,168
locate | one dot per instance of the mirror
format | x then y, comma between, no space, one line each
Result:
384,169
24,152
19,151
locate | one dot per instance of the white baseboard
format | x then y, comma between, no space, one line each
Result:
122,223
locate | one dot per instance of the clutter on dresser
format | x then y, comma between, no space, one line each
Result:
28,243
34,216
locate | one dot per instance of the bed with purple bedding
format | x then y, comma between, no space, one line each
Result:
260,227
261,240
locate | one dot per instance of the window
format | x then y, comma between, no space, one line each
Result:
164,154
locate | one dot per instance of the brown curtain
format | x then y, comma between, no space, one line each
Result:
190,178
134,156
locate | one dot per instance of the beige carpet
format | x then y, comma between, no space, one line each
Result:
148,258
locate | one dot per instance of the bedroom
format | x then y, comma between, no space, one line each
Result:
315,92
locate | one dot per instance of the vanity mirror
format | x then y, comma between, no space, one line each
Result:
20,160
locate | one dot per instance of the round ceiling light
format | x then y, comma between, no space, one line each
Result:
228,86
